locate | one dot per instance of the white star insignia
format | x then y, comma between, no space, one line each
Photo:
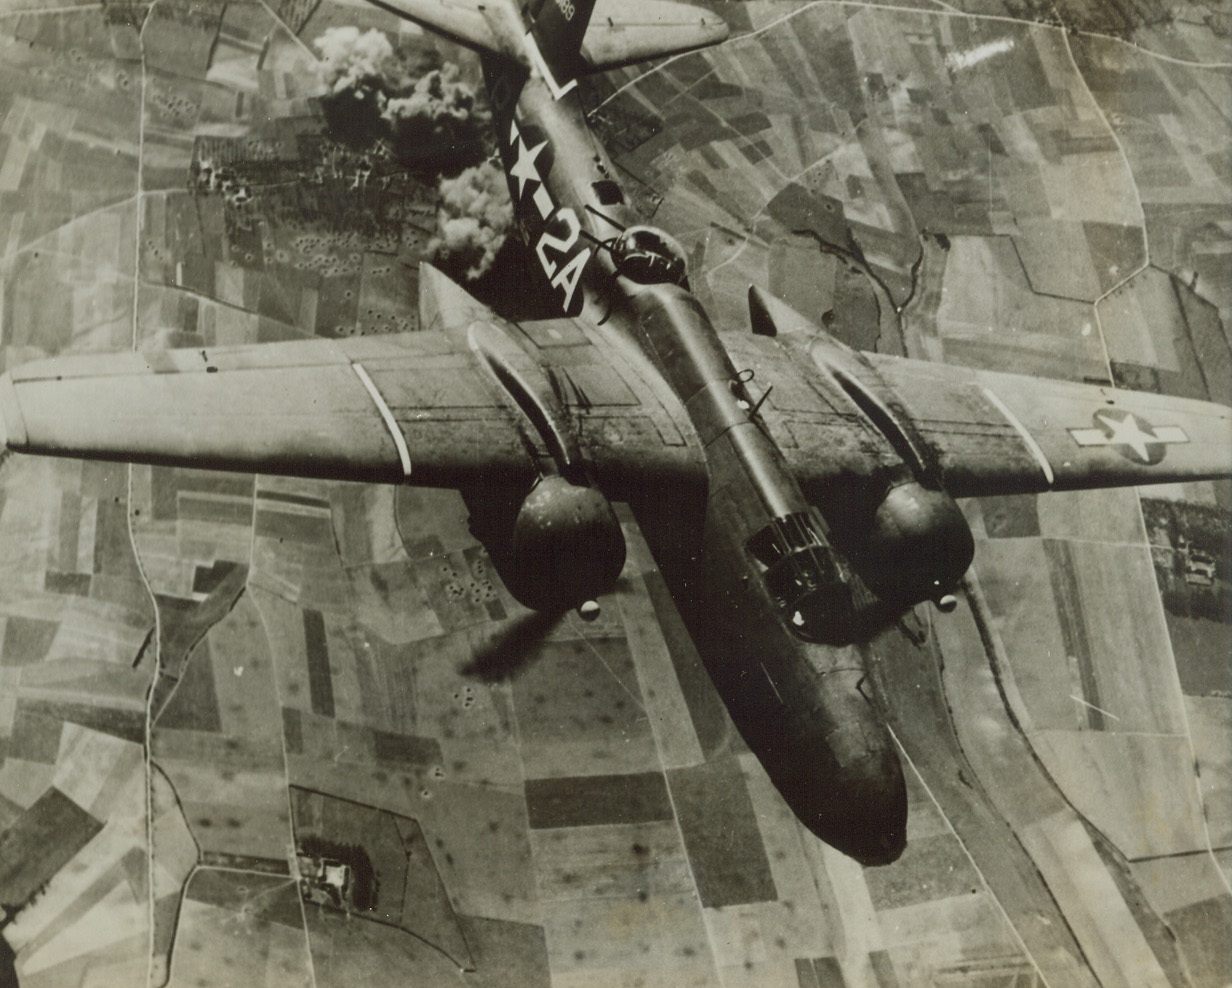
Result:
1134,437
524,169
1128,432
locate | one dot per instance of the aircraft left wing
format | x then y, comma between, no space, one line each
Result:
840,416
418,408
991,432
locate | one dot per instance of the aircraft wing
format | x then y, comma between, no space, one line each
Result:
994,433
419,408
982,432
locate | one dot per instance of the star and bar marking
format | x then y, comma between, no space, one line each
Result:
1131,435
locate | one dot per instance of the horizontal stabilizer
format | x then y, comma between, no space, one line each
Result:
621,32
624,32
462,21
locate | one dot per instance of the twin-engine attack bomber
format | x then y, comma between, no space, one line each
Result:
796,494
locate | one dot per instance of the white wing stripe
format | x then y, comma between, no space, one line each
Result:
404,454
1027,438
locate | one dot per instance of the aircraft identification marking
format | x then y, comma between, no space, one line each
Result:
524,168
557,240
1132,436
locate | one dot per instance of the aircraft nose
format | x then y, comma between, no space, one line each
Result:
860,808
872,828
826,749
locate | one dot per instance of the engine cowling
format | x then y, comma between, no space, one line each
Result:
566,546
918,545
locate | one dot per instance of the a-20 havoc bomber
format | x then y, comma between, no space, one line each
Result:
779,556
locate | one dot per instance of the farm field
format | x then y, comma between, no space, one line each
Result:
209,680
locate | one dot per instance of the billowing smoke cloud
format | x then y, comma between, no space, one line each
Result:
430,115
431,119
473,219
351,61
439,119
437,96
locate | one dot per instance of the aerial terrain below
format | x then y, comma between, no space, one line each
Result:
275,732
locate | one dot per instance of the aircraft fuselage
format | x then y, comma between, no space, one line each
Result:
757,581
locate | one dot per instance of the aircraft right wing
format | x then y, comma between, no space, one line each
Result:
425,408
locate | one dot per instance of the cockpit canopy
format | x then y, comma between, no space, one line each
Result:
650,257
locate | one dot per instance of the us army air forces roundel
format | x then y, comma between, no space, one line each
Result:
1130,435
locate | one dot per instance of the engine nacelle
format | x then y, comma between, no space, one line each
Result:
566,546
917,547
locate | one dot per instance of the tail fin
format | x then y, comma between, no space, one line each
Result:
558,27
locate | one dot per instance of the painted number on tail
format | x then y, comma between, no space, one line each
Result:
570,273
556,246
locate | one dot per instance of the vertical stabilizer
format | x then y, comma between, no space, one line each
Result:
558,27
